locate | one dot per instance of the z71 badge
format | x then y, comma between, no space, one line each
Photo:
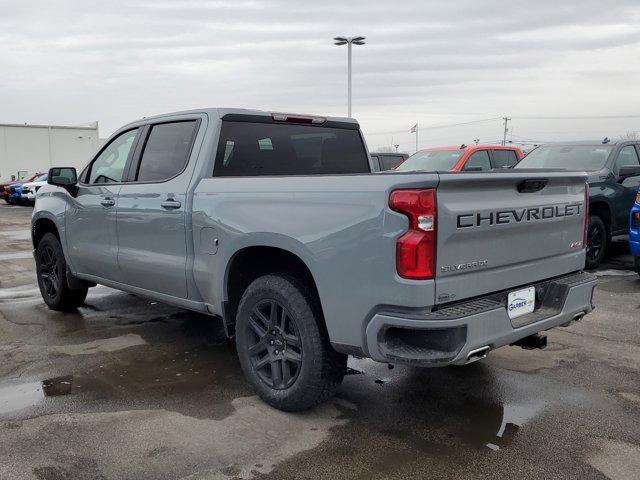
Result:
464,266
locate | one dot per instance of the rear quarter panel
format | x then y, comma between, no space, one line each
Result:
340,226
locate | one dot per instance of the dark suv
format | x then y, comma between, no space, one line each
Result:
614,177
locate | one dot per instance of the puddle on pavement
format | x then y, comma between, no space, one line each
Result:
200,382
513,418
17,397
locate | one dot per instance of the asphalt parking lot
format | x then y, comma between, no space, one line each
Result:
129,388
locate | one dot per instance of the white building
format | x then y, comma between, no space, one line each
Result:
29,149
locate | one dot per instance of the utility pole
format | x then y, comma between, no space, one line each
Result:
349,77
396,145
506,129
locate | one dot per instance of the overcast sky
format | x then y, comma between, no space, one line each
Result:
432,62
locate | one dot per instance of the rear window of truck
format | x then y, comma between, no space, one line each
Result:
252,149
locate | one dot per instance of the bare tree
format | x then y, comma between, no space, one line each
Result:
630,135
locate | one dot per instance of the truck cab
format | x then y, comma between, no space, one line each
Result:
478,158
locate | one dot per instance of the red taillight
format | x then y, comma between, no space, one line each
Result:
586,215
416,249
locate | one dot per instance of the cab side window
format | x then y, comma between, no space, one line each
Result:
478,159
376,163
166,151
389,162
627,156
108,167
504,158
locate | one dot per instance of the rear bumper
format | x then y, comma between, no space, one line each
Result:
448,335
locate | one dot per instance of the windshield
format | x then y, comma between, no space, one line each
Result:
570,157
432,161
41,178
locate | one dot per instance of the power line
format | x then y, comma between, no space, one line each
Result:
437,126
585,117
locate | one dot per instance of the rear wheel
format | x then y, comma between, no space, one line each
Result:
51,268
284,352
597,241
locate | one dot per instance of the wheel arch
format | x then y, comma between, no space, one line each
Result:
602,209
251,262
42,226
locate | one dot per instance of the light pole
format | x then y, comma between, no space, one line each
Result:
348,41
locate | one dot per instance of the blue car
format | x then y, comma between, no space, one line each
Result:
15,193
634,233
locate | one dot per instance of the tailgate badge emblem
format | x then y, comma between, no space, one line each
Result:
464,266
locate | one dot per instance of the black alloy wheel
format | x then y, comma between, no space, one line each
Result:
49,272
274,345
53,278
596,240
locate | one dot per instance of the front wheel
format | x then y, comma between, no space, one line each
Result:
283,349
597,241
51,268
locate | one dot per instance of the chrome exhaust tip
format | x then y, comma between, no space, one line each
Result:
477,354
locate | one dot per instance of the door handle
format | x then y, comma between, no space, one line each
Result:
170,204
108,202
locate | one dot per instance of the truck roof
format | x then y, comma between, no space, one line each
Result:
221,112
470,147
592,143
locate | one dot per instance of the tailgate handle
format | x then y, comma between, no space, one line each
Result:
530,186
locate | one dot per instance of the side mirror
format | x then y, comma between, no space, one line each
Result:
62,176
627,171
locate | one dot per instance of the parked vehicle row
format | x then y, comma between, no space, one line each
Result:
24,192
276,225
11,192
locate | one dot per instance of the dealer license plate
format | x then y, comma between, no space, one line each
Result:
521,302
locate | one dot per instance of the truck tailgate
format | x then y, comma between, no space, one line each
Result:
507,229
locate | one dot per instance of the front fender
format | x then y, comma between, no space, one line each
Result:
51,204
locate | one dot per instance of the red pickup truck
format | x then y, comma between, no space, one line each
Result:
457,159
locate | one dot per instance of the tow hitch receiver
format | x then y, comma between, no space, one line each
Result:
532,342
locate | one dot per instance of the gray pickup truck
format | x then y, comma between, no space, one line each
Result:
275,224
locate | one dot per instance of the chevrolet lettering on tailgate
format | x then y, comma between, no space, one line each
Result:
502,217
